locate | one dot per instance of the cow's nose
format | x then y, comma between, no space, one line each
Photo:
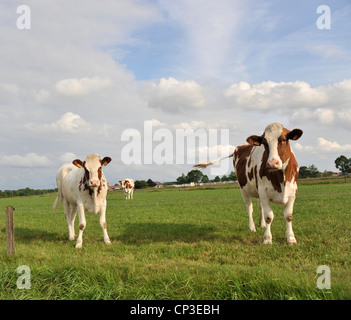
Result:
274,164
94,183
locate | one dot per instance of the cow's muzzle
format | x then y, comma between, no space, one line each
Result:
274,165
94,183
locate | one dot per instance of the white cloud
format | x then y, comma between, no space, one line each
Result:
30,160
269,95
190,125
41,95
324,146
332,146
174,96
68,123
9,88
83,86
68,157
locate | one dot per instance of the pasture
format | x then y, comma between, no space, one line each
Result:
181,244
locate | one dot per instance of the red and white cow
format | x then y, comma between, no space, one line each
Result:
267,169
83,186
128,186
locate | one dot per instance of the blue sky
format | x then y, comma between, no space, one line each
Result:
87,72
270,40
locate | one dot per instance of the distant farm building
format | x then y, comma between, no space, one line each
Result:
155,184
114,188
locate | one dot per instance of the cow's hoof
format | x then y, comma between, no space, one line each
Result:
78,245
267,241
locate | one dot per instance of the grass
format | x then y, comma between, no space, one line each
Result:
181,244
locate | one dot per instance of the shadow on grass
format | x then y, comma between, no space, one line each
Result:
166,232
28,235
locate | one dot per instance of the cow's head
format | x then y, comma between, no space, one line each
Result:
93,168
276,139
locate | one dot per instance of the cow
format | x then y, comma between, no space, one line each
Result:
83,186
128,186
267,169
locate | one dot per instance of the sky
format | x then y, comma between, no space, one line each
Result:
82,77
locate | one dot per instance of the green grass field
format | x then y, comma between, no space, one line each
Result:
181,244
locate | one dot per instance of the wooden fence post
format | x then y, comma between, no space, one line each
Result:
10,230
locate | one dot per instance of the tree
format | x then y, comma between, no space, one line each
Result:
224,178
343,164
181,179
217,179
140,184
303,172
308,172
232,176
327,173
313,171
205,179
194,176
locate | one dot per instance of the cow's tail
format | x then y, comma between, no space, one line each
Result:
206,164
57,200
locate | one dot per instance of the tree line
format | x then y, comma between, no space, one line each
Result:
342,163
197,176
25,192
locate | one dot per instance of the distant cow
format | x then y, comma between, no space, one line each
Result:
267,169
82,185
128,186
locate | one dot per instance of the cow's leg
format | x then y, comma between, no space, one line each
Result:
262,221
67,211
249,209
132,193
268,217
288,215
82,224
70,222
103,224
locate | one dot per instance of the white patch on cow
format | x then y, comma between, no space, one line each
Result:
272,133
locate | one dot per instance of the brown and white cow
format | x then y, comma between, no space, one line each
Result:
267,169
128,186
82,185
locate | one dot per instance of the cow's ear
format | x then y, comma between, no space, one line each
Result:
254,140
105,161
78,163
294,134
